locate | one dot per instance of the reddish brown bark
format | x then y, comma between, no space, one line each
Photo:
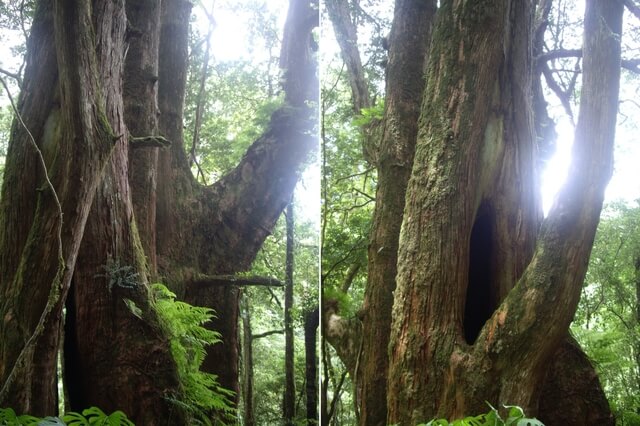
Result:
474,155
116,358
63,104
408,54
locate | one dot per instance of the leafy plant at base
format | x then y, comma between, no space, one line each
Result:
188,339
492,418
90,416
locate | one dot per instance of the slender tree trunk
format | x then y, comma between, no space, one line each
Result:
289,380
247,365
311,323
347,36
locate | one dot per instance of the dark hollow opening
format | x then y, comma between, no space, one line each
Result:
74,393
479,305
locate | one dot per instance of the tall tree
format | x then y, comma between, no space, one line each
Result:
289,403
472,220
103,82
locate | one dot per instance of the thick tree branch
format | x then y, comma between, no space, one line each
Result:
536,314
240,210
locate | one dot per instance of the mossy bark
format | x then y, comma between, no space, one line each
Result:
118,358
61,80
78,108
471,223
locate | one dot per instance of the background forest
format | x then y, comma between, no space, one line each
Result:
233,87
607,323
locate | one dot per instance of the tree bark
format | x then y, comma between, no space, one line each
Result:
474,168
148,206
64,105
347,36
572,393
408,54
116,358
218,229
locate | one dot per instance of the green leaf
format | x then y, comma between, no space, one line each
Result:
75,419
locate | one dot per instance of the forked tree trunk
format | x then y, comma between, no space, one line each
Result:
461,334
494,262
218,229
75,105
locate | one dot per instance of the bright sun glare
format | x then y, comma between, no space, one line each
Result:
231,41
624,184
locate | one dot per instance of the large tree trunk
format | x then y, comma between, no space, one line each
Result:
408,53
472,216
148,205
218,229
117,358
344,334
70,104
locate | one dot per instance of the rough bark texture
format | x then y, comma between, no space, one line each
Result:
77,106
116,358
474,168
408,53
63,106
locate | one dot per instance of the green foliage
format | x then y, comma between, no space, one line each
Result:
265,309
239,93
368,115
189,339
89,417
515,417
606,323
